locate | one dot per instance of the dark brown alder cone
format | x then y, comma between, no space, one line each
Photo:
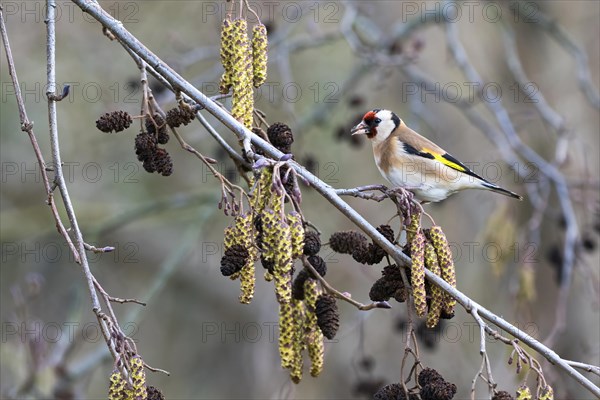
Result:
318,264
234,259
312,243
281,136
381,290
154,394
369,253
429,375
328,317
439,390
377,253
298,284
346,241
502,395
162,162
180,116
434,387
269,265
393,391
362,253
114,121
160,129
145,146
389,285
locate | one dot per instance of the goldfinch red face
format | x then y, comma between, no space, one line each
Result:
411,161
377,125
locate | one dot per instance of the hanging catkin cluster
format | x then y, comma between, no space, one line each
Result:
429,249
278,237
524,393
244,63
299,330
120,389
259,54
240,255
546,393
283,239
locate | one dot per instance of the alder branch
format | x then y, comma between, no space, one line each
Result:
180,84
59,179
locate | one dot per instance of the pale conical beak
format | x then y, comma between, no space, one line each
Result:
360,129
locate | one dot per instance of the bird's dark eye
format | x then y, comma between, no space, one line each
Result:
377,120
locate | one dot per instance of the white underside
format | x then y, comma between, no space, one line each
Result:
430,186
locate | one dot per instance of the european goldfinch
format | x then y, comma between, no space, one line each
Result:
410,161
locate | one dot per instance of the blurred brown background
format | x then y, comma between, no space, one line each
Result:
168,231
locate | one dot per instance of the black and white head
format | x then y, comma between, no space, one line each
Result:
377,125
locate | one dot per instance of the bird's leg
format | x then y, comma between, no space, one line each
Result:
405,202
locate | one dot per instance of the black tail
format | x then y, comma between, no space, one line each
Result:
498,189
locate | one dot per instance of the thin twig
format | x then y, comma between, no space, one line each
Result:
331,290
586,367
325,190
27,126
62,186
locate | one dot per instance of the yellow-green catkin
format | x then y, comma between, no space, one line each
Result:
413,227
247,274
259,54
523,393
298,315
444,254
417,273
297,230
437,294
262,192
547,393
316,351
227,46
313,335
242,233
269,221
243,96
283,263
116,390
277,203
286,335
138,378
311,294
229,238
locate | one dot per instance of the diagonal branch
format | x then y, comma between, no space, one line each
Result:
178,83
